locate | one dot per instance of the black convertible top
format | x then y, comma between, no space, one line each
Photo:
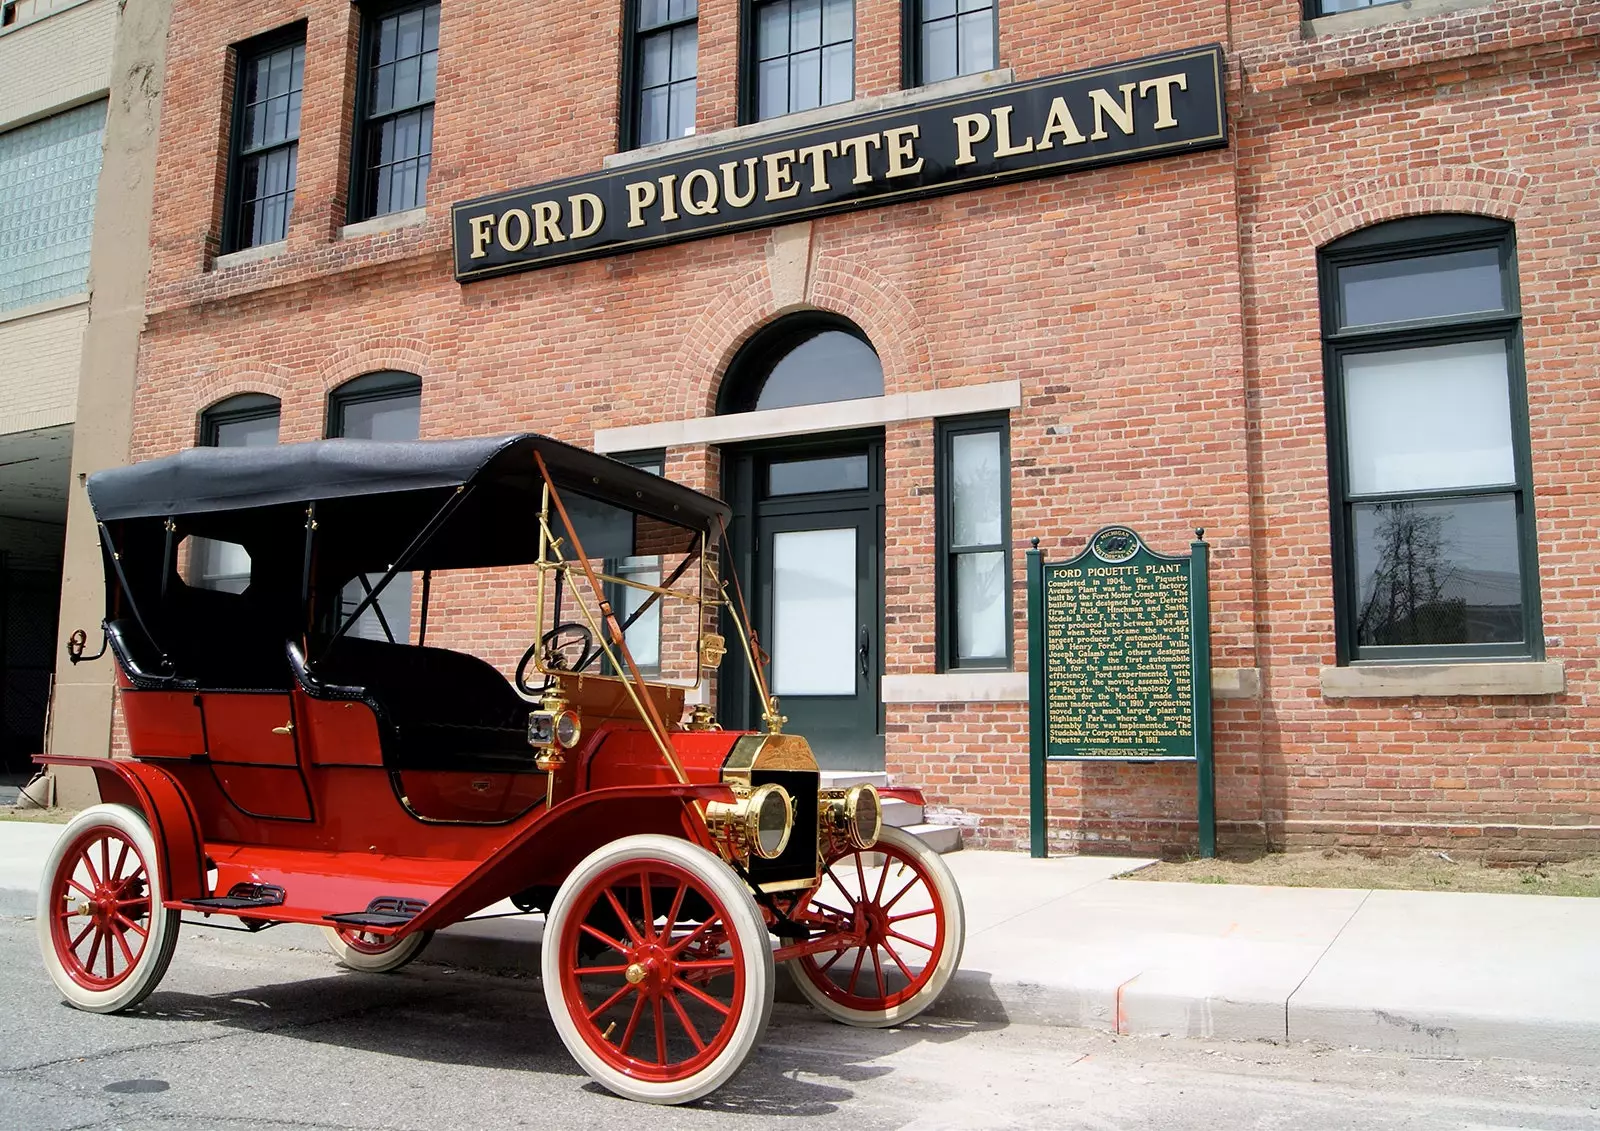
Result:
210,480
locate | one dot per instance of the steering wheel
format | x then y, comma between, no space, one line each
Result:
556,646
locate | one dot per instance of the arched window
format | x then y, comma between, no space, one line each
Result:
802,359
249,420
1429,463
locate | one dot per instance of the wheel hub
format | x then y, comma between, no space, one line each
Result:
650,969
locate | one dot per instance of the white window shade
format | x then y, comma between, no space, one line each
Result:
1428,418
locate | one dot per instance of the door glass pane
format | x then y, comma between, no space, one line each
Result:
814,612
981,606
1425,286
1427,418
975,489
808,476
1438,572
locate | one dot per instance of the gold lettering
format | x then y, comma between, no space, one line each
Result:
547,223
970,129
900,141
641,195
1120,113
669,202
597,214
729,193
1163,88
780,185
1002,135
859,147
707,204
482,232
814,154
521,218
1060,122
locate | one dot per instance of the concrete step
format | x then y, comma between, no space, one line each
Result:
940,838
844,779
901,814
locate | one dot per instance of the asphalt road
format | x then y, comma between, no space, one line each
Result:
246,1035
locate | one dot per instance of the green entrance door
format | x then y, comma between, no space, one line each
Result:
815,552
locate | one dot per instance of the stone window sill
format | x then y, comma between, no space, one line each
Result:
389,222
822,115
1399,681
1343,23
249,255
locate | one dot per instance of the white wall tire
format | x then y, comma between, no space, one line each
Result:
373,954
105,939
916,924
686,975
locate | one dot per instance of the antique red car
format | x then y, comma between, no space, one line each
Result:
296,759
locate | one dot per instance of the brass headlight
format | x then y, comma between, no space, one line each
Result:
854,815
758,822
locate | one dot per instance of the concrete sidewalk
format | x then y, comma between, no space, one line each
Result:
1061,942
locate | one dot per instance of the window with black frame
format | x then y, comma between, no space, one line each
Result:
1429,464
249,420
266,139
393,151
1315,8
644,633
378,406
947,38
972,485
799,54
660,68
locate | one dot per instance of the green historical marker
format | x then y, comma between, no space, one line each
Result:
1119,663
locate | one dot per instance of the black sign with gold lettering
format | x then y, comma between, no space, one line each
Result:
1130,112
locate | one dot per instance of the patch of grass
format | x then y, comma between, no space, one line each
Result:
56,816
1420,871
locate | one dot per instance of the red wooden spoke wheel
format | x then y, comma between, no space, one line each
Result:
657,969
372,953
104,936
901,929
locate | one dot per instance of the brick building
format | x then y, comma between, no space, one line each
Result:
1353,338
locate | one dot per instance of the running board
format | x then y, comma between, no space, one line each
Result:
385,911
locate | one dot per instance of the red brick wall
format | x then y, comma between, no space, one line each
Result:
1161,318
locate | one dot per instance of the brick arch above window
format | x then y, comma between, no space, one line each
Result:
835,284
405,355
1394,196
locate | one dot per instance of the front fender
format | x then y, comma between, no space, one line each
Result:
180,849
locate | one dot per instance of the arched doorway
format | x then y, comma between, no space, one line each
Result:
807,538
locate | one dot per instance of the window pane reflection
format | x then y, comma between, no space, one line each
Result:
980,606
814,612
1438,572
1424,286
975,489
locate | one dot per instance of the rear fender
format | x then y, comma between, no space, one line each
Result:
180,849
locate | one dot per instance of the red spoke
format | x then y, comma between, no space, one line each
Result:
610,1001
633,1025
913,914
73,945
88,862
601,970
122,941
862,876
661,1033
706,964
906,938
87,894
94,951
672,915
911,883
105,859
678,946
110,973
705,997
633,932
838,883
683,1019
122,858
855,975
143,934
601,936
910,977
832,908
877,969
883,878
649,911
838,954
